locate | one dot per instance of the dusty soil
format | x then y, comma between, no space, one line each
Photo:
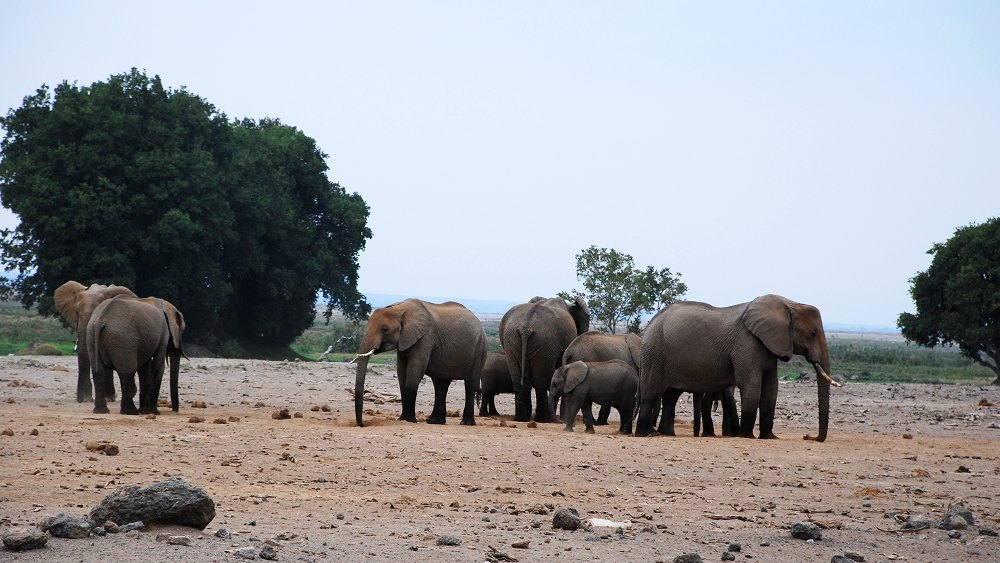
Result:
322,489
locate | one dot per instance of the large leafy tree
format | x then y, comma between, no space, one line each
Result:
129,182
958,297
618,294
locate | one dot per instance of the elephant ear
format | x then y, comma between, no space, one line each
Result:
415,322
175,323
769,319
65,298
575,374
634,344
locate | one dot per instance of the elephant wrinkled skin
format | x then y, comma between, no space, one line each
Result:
613,383
444,341
695,347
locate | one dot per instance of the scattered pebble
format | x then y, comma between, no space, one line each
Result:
450,540
806,531
566,519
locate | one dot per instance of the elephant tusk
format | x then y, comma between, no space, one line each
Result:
822,373
362,356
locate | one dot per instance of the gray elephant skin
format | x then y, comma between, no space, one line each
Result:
494,381
444,341
135,336
593,346
696,347
76,303
613,383
534,336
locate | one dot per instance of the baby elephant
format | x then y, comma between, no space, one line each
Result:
494,380
614,383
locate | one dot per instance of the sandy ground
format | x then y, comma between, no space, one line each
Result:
321,489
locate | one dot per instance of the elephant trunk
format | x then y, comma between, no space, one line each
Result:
823,382
359,388
553,399
175,368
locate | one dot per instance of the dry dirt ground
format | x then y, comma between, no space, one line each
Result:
321,489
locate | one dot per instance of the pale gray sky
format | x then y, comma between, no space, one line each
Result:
811,149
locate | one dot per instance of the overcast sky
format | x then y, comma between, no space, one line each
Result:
811,149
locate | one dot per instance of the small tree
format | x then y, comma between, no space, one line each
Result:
617,293
958,297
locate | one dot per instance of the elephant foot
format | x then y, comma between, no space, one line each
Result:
494,413
130,411
84,399
435,419
484,413
642,432
468,421
590,430
522,419
768,436
410,418
102,410
149,411
568,429
600,423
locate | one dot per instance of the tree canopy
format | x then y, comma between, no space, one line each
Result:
129,182
618,294
958,297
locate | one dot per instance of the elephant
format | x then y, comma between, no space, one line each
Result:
495,379
445,341
534,336
76,304
132,335
593,346
613,383
696,347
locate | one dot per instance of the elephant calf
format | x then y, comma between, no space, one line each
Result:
495,380
581,384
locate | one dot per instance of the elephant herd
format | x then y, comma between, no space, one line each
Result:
116,331
549,353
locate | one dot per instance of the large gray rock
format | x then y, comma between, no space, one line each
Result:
806,531
172,501
67,526
566,519
24,538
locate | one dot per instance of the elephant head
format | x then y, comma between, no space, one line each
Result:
785,327
396,327
565,379
76,305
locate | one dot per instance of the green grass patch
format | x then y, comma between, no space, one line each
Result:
21,328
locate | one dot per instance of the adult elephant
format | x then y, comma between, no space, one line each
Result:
691,346
131,335
445,341
534,336
76,304
593,346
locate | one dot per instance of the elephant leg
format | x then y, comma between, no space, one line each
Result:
730,417
100,401
750,399
649,407
127,380
602,416
440,400
625,412
493,407
572,406
471,387
407,390
84,390
588,417
696,399
484,406
707,425
669,402
109,386
148,389
542,413
522,402
768,403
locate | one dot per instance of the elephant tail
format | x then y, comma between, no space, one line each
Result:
525,331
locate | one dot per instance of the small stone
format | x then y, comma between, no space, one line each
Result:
34,432
954,534
953,522
67,526
984,531
281,414
340,516
841,559
24,538
688,558
727,556
917,522
179,540
450,540
268,552
853,556
523,544
959,510
111,527
566,519
735,547
246,553
223,533
131,526
806,531
536,523
8,432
